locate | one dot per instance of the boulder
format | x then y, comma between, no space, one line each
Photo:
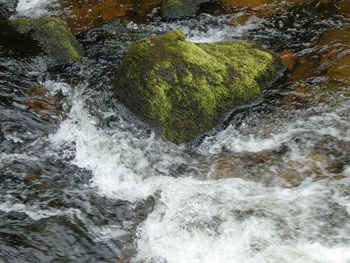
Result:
50,33
184,88
180,8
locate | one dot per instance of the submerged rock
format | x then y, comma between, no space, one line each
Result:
184,88
52,34
86,14
335,54
308,21
268,7
289,58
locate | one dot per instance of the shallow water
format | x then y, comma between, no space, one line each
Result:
82,180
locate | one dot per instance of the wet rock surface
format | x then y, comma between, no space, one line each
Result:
184,87
86,14
81,180
27,36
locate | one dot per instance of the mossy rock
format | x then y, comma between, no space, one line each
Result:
15,44
51,33
180,8
184,87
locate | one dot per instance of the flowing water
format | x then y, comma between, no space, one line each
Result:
83,180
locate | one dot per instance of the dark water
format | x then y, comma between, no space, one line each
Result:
82,180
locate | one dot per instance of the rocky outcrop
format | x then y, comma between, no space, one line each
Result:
183,87
50,33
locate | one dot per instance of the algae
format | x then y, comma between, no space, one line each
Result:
184,87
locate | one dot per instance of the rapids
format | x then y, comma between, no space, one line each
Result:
83,180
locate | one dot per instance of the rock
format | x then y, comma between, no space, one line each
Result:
184,88
15,44
335,55
52,34
180,8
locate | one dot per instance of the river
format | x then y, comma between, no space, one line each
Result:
83,180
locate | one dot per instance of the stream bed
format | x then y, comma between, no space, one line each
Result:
83,180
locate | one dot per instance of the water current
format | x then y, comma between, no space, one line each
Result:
83,180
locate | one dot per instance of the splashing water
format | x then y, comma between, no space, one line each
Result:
268,190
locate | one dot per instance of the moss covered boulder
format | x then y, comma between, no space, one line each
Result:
50,33
184,87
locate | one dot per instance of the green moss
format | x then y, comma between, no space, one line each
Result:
184,87
53,36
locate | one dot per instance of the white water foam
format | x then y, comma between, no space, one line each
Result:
229,220
233,220
116,157
34,8
35,212
208,29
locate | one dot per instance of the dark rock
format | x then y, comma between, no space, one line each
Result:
180,8
35,34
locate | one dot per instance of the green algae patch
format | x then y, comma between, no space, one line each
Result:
184,87
53,36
